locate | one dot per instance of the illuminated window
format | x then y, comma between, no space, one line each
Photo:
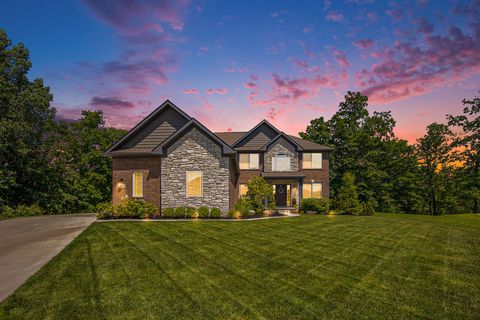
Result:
194,183
312,161
249,161
242,190
137,184
312,190
281,162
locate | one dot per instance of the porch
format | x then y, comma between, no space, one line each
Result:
287,188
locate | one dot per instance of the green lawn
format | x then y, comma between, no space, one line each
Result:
385,266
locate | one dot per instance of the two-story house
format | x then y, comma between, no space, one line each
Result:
171,160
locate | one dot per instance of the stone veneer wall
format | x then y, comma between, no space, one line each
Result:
283,146
195,152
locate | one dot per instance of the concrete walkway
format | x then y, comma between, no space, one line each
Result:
26,244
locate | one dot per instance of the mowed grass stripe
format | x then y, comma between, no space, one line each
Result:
311,267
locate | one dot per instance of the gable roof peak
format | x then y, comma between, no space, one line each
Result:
139,126
263,122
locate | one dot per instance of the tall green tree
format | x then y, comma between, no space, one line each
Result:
77,155
365,145
347,200
26,117
434,151
468,143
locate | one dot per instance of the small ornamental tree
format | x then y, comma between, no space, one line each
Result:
347,199
260,190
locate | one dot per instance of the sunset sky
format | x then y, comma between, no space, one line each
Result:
231,64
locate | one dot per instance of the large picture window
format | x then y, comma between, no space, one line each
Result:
281,162
312,161
249,161
137,184
312,190
194,184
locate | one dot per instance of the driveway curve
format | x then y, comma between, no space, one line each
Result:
26,244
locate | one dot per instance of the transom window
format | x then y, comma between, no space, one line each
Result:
137,184
194,183
242,190
249,161
281,162
312,161
312,190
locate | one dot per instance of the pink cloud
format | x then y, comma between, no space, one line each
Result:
363,43
112,118
147,57
287,90
190,91
424,26
334,16
232,70
217,91
250,85
341,58
273,113
307,30
396,13
407,69
372,16
111,103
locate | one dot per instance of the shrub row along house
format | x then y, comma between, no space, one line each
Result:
172,160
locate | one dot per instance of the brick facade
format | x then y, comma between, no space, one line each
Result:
122,171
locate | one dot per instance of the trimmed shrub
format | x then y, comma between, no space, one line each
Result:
128,208
203,212
244,207
28,211
21,211
319,205
191,212
234,214
7,212
215,213
367,209
132,208
105,210
180,212
168,213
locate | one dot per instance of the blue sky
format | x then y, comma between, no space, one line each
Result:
231,64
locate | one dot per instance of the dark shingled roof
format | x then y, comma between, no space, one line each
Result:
232,137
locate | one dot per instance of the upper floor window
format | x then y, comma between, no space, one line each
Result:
312,161
137,184
249,161
194,184
281,162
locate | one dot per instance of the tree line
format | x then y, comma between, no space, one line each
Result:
59,166
55,165
438,174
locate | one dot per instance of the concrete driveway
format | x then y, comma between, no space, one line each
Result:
26,244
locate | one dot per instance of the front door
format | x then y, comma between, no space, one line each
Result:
281,195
